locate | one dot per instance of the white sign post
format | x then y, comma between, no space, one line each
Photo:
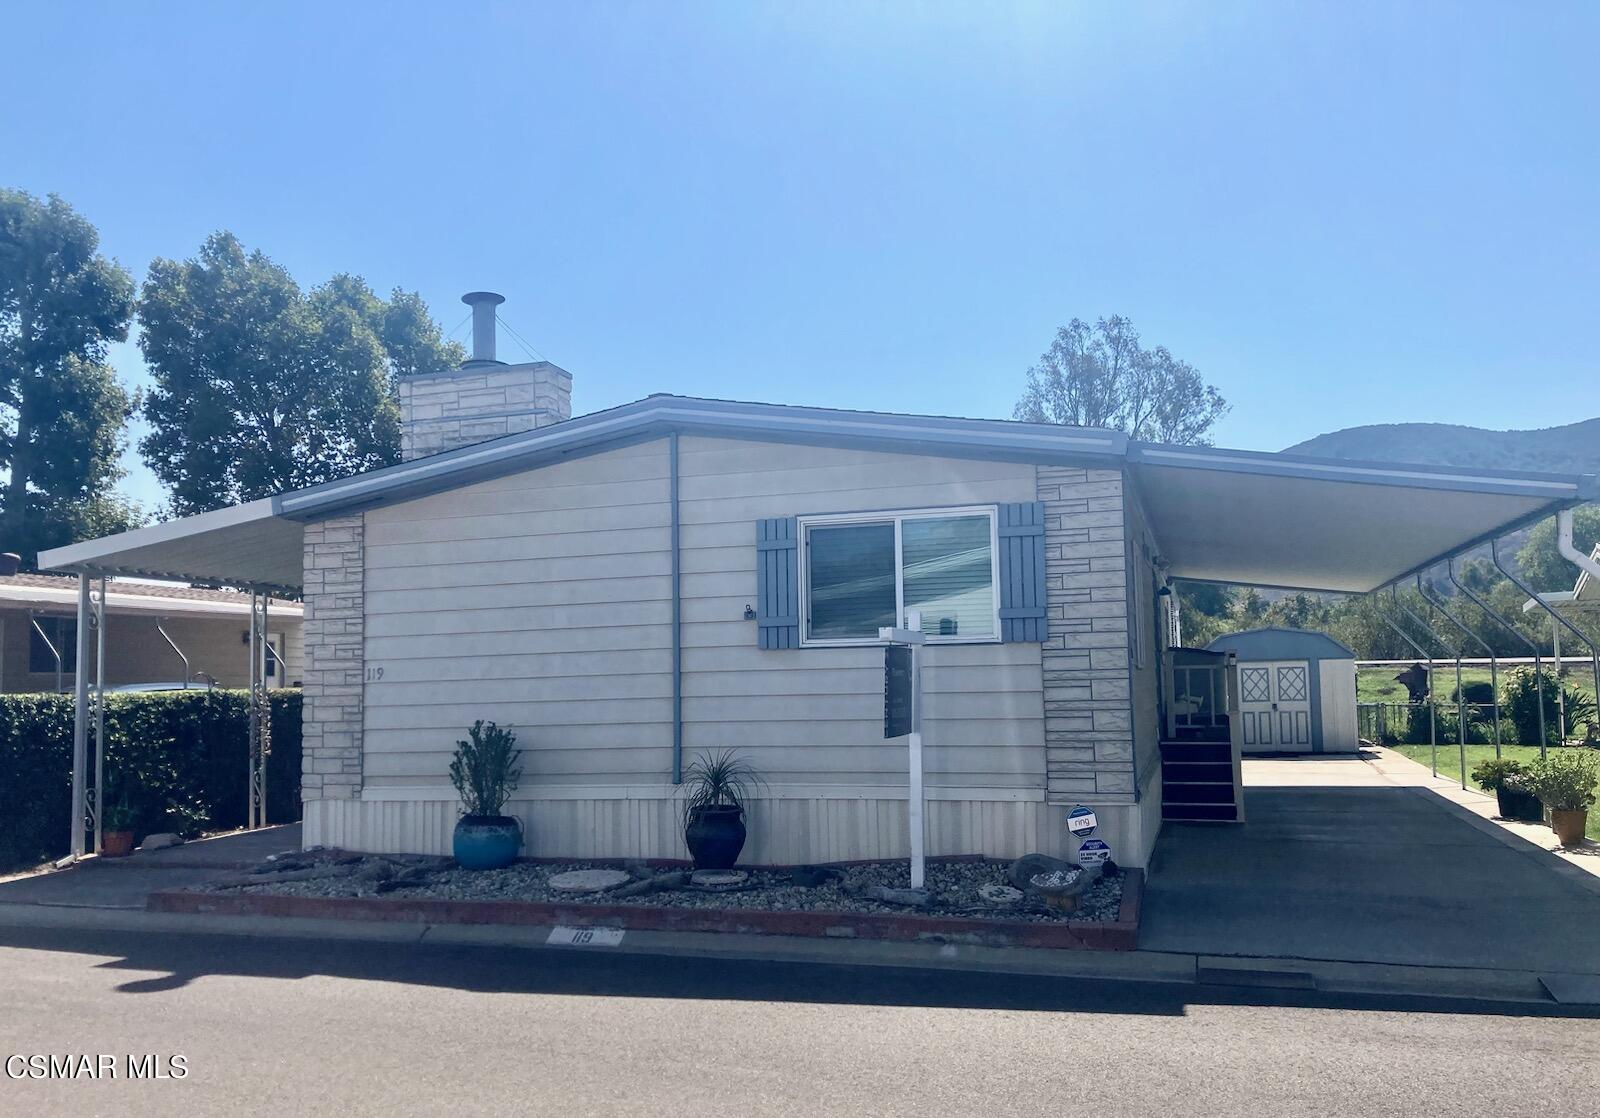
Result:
912,636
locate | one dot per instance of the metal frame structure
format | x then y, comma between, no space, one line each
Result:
161,627
88,771
260,744
33,620
88,782
1594,651
1504,623
1428,595
1433,721
1461,704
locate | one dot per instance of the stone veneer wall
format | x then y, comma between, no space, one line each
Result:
335,624
1088,725
441,411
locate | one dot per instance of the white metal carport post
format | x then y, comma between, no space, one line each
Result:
88,797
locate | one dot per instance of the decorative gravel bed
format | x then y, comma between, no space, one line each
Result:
953,887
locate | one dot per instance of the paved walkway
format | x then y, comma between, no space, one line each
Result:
126,882
1347,859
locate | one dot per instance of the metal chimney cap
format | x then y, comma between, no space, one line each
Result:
473,298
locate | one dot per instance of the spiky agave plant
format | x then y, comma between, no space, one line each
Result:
721,779
485,770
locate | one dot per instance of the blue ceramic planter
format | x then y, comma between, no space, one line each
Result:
487,842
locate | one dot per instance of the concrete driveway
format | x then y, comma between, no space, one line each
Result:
1338,861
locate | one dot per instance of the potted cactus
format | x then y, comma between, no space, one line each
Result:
1507,779
116,834
1565,780
485,773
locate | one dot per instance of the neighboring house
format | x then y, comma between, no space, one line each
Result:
629,588
38,634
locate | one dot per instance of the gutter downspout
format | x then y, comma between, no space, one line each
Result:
1589,566
677,613
1568,551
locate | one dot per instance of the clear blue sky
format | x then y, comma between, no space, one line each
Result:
1341,213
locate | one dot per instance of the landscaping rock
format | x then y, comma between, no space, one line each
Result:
589,881
1025,868
812,877
954,888
161,841
1000,896
910,898
718,880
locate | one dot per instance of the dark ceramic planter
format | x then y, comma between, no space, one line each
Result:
714,836
487,842
1519,806
116,844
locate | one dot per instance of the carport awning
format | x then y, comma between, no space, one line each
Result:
1220,515
245,545
1322,524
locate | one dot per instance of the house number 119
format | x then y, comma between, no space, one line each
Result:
374,674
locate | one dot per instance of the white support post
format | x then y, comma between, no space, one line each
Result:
912,636
919,829
97,606
80,722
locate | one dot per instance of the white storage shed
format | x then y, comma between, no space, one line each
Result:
1297,691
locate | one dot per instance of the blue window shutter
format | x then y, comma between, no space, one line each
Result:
778,583
1022,590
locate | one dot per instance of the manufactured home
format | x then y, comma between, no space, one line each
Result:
629,588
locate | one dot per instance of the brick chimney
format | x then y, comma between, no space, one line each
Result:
483,399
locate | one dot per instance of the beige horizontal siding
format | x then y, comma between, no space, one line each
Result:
817,713
543,601
540,601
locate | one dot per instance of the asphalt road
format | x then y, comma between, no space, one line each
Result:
282,1027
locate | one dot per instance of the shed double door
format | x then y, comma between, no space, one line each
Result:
1275,706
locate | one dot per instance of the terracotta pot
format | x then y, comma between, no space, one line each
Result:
1569,825
116,844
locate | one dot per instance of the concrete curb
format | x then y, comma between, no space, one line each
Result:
1118,935
1325,976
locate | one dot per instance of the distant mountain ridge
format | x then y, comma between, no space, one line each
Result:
1570,449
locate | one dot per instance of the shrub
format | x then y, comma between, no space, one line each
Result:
1521,706
176,757
1565,778
1492,773
1478,693
485,770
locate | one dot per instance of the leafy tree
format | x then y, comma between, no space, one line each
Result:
1542,566
1102,376
260,387
62,304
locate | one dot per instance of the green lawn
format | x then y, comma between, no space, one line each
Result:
1450,765
1377,685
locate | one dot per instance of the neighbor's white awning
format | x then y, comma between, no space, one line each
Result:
244,545
1322,524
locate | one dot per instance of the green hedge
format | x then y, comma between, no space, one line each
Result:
179,757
